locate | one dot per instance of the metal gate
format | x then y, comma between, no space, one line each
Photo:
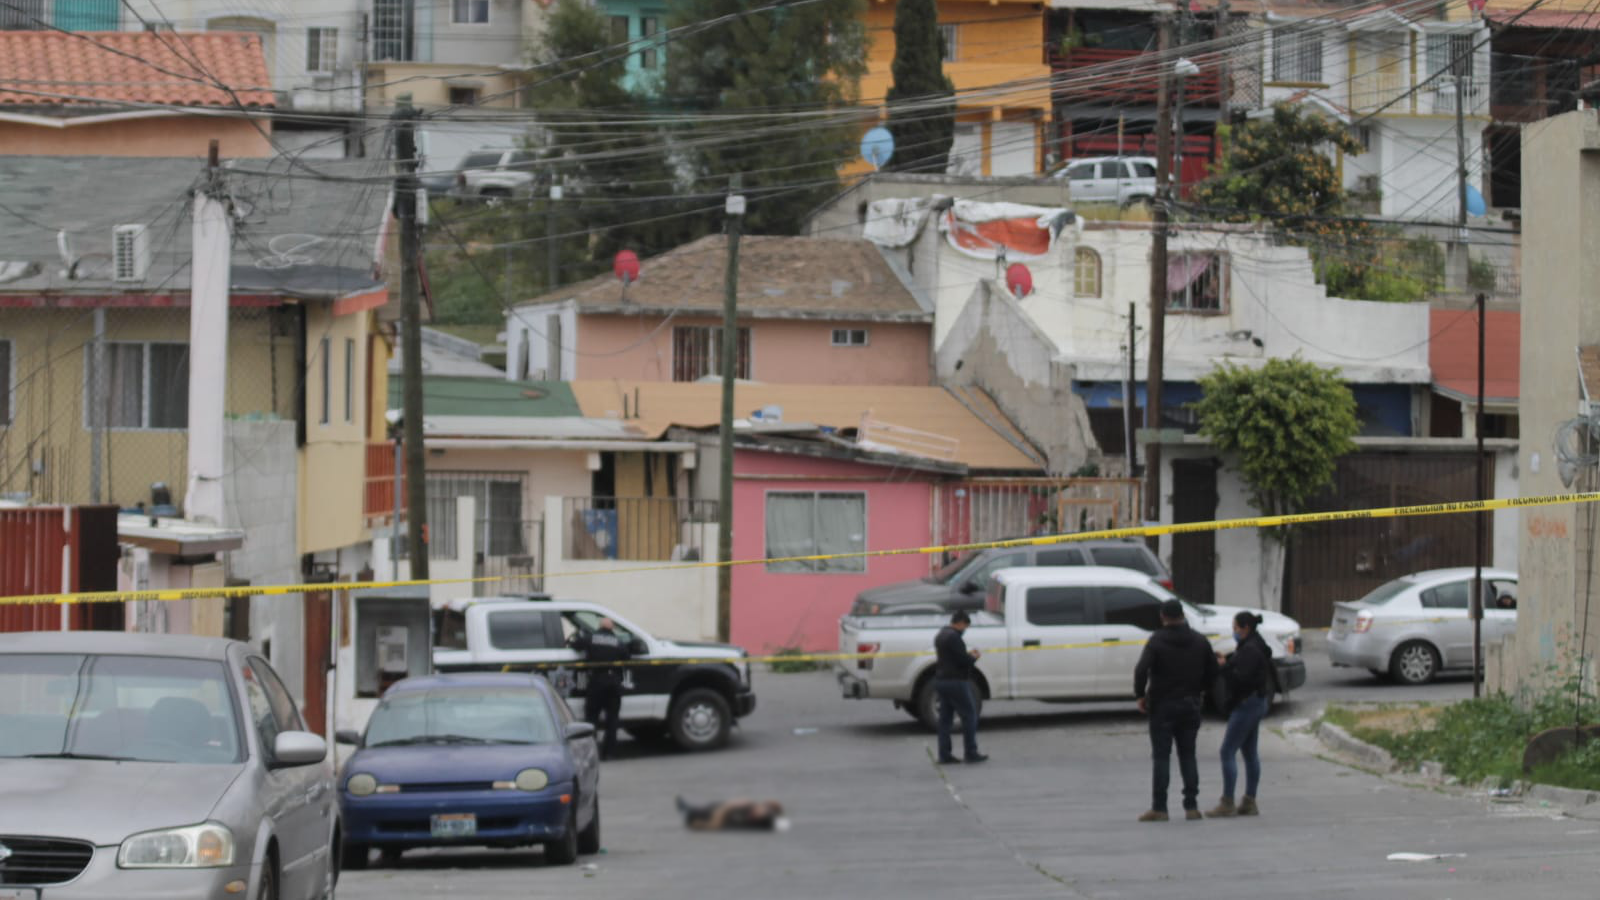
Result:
997,509
1331,562
1194,556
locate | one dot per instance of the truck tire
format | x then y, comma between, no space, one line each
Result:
700,719
925,708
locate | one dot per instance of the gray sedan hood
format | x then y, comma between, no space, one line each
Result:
103,801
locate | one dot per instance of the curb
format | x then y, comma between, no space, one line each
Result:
1335,738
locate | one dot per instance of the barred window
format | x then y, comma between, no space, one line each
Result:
1296,56
697,353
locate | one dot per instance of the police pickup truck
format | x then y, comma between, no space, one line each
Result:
1060,635
692,692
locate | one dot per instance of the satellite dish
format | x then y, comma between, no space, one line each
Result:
1019,281
877,146
1475,204
626,267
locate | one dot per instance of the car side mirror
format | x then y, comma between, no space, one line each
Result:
638,647
298,748
579,730
348,737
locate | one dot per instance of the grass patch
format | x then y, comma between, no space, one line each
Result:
787,666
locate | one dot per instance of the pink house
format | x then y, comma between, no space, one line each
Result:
811,311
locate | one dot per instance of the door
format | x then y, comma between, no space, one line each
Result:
297,799
1194,556
1499,609
318,658
1126,618
1084,184
1114,178
1052,617
1450,621
645,689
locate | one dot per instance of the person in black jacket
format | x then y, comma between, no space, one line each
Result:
602,698
1250,679
1176,668
952,682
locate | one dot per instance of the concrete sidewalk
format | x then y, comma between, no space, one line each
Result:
1052,815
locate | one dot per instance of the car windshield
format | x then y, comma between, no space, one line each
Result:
948,572
463,716
1386,593
131,708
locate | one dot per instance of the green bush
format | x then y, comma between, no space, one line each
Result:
1481,275
787,666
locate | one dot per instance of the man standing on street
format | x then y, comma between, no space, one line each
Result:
1177,666
601,649
952,682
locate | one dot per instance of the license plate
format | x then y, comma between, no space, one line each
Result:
449,825
19,893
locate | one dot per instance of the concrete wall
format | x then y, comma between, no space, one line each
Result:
333,460
1419,176
164,136
428,87
995,346
1561,311
772,610
674,603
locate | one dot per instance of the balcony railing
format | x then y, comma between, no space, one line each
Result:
1132,78
636,528
378,501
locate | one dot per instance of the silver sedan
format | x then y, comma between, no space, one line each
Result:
157,766
1417,626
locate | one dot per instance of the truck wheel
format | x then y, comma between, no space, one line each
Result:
926,707
700,720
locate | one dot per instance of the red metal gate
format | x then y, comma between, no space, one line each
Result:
50,549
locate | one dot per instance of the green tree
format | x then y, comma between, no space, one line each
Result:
805,59
1287,422
922,135
1278,169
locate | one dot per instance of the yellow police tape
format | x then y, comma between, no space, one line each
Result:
1430,509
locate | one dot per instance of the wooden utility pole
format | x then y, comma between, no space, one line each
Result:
1130,399
1225,90
1478,521
1158,280
405,192
730,359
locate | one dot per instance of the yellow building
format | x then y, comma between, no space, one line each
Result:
995,56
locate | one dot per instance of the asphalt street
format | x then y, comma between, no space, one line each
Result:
1052,815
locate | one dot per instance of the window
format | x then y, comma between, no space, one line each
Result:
394,30
1059,605
349,379
1063,557
1448,596
283,708
144,386
325,352
322,49
525,630
1296,56
1115,170
650,56
1452,54
1135,558
849,337
1196,282
259,707
6,378
1144,170
499,529
1130,606
697,352
815,524
469,12
949,42
1081,172
619,29
464,96
88,15
23,15
981,573
481,161
1085,273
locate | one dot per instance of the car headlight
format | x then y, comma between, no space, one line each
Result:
1291,643
208,845
361,785
531,780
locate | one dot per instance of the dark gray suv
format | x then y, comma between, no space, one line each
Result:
961,584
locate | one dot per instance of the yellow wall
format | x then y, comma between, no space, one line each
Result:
48,349
422,82
333,460
167,136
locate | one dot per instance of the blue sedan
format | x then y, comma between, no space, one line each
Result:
493,759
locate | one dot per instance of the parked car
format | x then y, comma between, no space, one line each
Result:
498,174
1123,180
692,692
1105,615
961,584
157,766
1418,626
472,759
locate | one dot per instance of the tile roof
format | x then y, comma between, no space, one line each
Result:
1561,20
51,68
1453,354
663,404
779,277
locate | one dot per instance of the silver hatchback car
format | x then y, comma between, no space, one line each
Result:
1417,626
157,766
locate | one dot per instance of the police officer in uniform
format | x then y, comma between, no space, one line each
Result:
602,648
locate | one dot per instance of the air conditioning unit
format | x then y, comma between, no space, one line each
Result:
130,253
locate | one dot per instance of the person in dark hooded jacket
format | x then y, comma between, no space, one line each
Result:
1175,670
1250,679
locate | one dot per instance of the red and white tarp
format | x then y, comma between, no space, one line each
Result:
1014,230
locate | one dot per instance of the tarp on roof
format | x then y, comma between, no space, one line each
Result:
1015,230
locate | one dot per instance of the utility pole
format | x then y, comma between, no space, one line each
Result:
1158,281
405,189
1131,449
1478,521
358,128
1225,90
730,358
1458,249
212,239
99,413
552,262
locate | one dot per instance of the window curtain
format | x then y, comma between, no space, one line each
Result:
124,387
169,385
789,524
841,527
1184,269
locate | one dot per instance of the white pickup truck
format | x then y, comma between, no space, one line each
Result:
692,692
1105,613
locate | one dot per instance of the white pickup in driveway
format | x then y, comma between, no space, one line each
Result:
1103,616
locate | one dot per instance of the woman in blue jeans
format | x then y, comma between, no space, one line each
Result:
1249,677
